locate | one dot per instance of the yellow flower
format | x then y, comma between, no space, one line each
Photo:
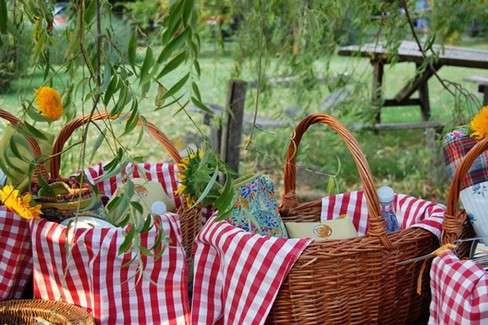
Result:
49,103
19,205
479,124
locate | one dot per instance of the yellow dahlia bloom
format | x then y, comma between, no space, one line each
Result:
479,124
19,205
49,103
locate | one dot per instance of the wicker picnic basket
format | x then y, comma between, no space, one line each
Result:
38,311
456,226
190,218
351,281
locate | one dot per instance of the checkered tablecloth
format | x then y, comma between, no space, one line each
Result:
15,255
410,211
238,274
459,292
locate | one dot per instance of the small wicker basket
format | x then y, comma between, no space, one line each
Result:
37,311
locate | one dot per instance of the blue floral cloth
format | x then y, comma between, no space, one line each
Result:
256,210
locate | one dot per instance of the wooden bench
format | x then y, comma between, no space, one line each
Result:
482,83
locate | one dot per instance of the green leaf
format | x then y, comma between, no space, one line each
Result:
173,64
132,51
173,45
147,224
177,86
187,10
107,76
137,206
44,186
145,251
170,103
98,143
173,21
3,16
112,87
90,12
159,101
12,166
122,101
211,183
133,120
201,105
146,65
196,65
127,243
225,198
196,91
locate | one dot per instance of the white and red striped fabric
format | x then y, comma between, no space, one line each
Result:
410,211
459,291
238,274
15,255
83,267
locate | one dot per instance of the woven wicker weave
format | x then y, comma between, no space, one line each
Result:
190,219
20,312
352,281
456,224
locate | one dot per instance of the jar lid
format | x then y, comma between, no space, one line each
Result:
385,194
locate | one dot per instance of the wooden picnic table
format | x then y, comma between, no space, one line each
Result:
409,52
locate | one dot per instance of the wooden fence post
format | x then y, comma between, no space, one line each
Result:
233,117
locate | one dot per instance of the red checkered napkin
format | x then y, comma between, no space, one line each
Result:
84,269
459,292
88,272
238,274
15,255
410,211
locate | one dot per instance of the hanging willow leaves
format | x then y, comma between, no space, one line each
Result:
172,65
177,86
174,45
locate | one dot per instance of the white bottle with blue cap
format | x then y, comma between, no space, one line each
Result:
385,196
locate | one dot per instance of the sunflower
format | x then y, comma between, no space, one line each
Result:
20,205
479,124
49,103
195,174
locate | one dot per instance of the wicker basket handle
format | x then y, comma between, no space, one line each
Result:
69,128
377,226
453,218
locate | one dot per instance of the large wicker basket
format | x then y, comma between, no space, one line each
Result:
190,219
456,227
352,281
21,312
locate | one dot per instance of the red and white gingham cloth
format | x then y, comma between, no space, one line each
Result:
410,211
238,274
459,291
15,255
85,269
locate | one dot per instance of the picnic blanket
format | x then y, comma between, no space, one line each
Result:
410,211
459,291
238,274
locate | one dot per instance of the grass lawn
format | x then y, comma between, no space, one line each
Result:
401,159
